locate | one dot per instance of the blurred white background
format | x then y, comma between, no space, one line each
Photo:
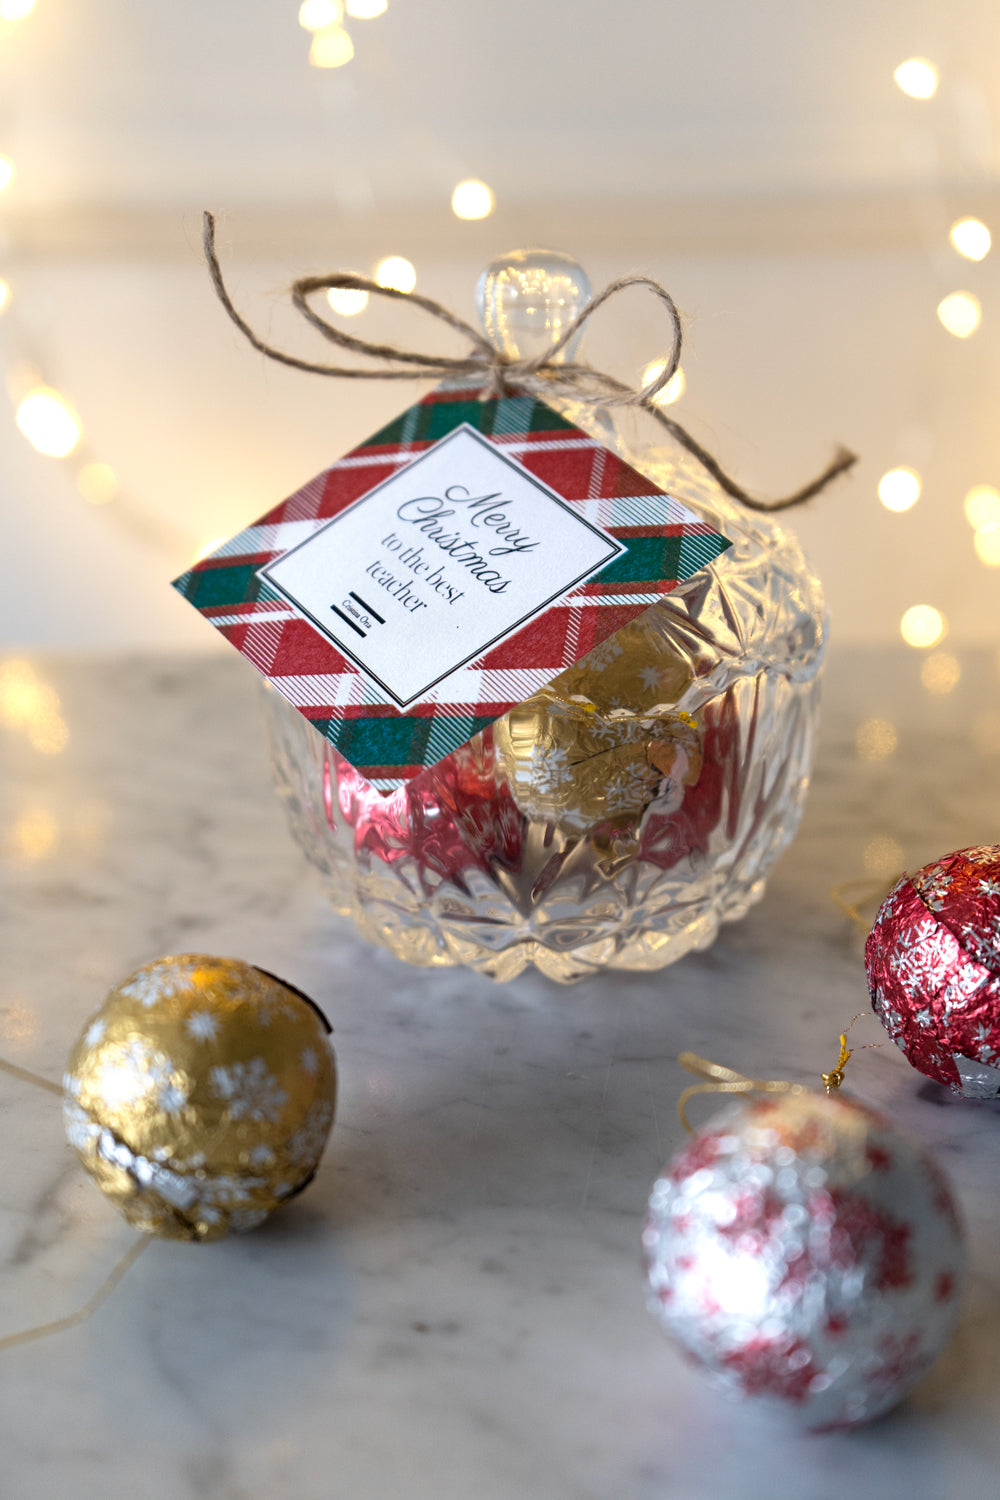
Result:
761,161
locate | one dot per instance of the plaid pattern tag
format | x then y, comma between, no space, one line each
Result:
664,543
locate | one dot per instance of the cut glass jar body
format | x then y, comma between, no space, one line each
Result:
691,731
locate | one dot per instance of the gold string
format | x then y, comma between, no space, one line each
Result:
27,1335
722,1080
870,893
833,1079
719,1079
26,1077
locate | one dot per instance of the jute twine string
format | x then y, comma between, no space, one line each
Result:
114,1276
543,376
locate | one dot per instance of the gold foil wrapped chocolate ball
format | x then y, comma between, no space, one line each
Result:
200,1096
603,742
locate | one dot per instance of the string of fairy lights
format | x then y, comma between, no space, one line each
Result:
924,626
332,45
960,313
50,422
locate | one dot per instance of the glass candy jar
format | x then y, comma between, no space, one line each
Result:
695,726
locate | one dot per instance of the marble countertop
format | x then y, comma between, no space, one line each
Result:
455,1307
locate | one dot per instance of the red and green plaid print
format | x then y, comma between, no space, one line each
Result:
664,543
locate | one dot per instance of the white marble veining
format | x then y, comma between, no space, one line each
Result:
455,1307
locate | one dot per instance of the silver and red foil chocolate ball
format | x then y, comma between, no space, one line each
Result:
933,962
808,1254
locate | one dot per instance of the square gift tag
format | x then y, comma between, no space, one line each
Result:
442,572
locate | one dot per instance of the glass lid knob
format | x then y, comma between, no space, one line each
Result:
527,298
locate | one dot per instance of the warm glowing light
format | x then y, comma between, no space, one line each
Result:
346,301
917,77
960,313
899,489
316,15
971,238
6,171
922,626
331,48
396,272
365,10
15,10
206,547
875,739
472,200
18,1023
940,672
4,295
982,507
883,856
28,703
674,388
987,545
97,483
48,734
123,1081
48,423
35,833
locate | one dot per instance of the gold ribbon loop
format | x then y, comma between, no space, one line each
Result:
107,1286
43,1330
857,897
719,1079
722,1080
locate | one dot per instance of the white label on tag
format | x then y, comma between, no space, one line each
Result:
439,564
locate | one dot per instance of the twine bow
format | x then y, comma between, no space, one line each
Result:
545,375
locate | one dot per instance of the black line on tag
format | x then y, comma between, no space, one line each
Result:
348,621
358,600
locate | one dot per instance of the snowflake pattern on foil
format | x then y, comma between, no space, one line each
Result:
933,963
250,1090
137,1073
202,1025
796,1279
550,769
626,788
305,1147
156,982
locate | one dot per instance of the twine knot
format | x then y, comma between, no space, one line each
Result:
545,375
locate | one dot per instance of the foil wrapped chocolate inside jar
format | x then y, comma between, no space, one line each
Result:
620,815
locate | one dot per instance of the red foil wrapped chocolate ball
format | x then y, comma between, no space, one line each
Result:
933,962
